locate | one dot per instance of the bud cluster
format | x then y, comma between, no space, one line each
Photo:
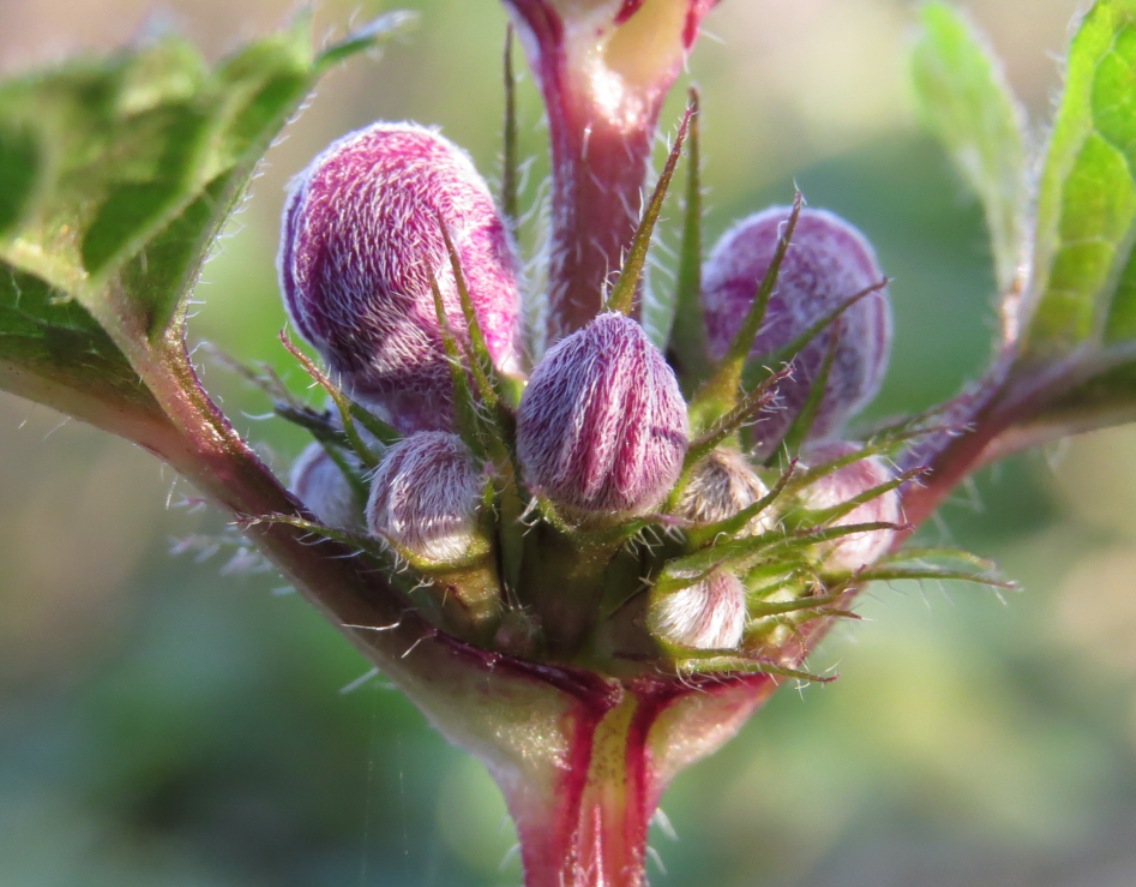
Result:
584,506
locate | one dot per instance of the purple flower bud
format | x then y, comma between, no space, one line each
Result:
321,485
720,486
837,487
425,497
710,615
602,427
828,261
362,241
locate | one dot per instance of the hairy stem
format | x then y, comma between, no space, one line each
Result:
598,175
624,749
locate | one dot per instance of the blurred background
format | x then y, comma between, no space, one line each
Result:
177,719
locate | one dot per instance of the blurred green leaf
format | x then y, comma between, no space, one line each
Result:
967,104
144,155
1083,288
53,351
116,175
19,173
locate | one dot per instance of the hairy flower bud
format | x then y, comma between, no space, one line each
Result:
837,487
602,427
425,497
362,241
325,491
720,486
828,262
710,615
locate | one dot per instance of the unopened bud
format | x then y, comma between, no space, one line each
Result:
720,486
425,498
602,427
827,263
710,615
861,549
325,490
362,242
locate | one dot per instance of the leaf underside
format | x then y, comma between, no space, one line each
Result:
116,175
967,104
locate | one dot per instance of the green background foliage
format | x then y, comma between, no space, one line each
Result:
169,720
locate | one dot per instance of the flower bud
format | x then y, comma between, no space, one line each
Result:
837,487
362,241
325,491
710,615
828,262
425,497
602,427
720,486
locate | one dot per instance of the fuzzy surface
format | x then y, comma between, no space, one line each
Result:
425,496
710,615
319,483
602,427
721,485
827,262
361,242
859,549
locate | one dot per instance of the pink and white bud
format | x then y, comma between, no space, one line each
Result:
325,491
720,486
861,549
425,498
362,241
828,262
602,427
710,615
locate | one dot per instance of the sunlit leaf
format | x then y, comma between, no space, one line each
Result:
967,104
116,174
1083,290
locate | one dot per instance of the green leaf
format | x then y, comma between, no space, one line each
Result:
622,297
1083,288
20,173
146,153
116,175
686,332
968,105
52,350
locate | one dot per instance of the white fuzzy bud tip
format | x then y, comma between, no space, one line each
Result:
425,497
710,615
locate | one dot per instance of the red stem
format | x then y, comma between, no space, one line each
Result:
599,166
598,176
624,751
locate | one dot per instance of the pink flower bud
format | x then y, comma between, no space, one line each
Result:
425,497
710,615
361,242
828,262
837,487
720,486
325,491
602,426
